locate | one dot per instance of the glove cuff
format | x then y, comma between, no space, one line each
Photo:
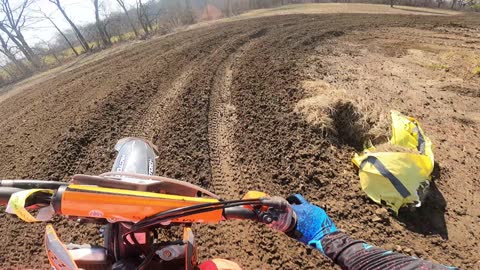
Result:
317,241
317,244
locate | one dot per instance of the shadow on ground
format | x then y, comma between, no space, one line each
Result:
429,219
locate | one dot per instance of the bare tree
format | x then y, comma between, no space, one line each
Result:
12,25
229,8
7,51
169,16
91,35
79,35
188,16
122,4
117,25
143,18
48,50
60,32
12,74
252,4
101,26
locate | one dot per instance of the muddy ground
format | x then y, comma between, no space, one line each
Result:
225,105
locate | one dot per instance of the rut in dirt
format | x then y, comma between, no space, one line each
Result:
219,104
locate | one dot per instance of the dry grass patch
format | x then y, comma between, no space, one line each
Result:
342,119
315,108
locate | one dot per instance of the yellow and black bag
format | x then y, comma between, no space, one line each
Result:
393,178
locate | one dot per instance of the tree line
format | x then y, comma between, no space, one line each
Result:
137,21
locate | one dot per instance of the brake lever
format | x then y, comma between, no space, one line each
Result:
278,203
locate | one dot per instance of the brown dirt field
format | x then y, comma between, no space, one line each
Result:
222,105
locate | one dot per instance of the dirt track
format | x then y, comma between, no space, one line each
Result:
220,104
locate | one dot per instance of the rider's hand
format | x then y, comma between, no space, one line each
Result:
280,215
313,224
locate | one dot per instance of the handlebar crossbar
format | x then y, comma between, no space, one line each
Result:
8,187
29,184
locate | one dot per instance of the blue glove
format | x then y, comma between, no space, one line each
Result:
313,224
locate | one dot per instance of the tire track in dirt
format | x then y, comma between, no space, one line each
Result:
162,105
158,88
160,108
225,178
157,111
221,121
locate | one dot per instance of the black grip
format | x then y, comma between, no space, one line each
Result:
6,192
239,213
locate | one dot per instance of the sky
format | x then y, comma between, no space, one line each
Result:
79,11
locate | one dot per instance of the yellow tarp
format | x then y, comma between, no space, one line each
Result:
394,177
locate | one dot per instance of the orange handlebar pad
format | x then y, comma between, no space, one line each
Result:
127,205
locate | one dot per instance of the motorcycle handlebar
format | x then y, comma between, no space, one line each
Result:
29,184
8,187
228,214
